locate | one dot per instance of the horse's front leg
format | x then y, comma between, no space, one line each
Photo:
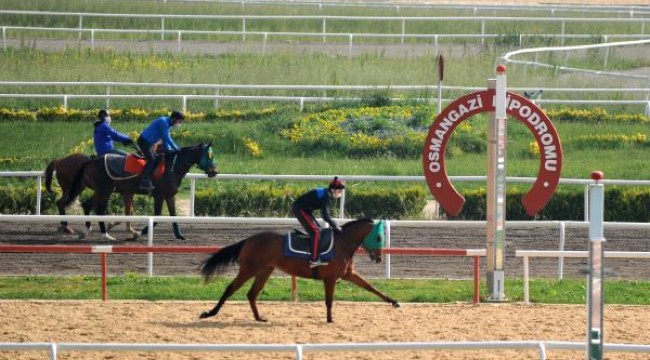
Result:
171,207
330,284
354,278
157,210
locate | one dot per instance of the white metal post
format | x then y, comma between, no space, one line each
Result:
595,285
496,189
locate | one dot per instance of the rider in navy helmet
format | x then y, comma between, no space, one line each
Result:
318,199
159,130
104,135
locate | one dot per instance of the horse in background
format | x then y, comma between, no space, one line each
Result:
65,169
95,174
259,255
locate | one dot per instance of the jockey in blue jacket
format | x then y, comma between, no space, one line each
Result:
317,199
104,135
158,130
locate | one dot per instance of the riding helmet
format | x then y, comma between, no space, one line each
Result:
337,183
102,114
177,115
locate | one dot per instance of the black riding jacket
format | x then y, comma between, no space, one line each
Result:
317,199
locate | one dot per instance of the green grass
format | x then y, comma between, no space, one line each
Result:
132,286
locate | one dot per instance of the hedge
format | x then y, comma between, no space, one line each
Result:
622,204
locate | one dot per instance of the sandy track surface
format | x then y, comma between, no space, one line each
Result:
289,323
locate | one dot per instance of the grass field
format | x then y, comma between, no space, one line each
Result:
130,286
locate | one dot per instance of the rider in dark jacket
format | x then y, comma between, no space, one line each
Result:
104,135
317,199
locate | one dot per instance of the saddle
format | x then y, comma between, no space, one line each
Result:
297,244
120,167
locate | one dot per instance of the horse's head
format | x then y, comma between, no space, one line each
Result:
375,241
206,161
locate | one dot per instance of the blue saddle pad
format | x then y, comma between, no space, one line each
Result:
297,243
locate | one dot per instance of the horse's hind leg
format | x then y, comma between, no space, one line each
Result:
101,203
128,210
239,280
64,227
86,206
258,285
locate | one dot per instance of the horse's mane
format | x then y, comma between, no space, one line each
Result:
360,220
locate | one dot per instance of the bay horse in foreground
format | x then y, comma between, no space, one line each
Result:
260,254
95,175
65,169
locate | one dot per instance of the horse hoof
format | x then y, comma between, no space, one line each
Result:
135,235
396,304
204,315
181,238
110,226
83,234
108,237
66,230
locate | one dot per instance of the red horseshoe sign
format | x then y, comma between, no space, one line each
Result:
433,154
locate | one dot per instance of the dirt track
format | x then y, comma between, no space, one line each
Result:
401,237
175,322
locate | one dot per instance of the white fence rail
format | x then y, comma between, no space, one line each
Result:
642,94
526,254
350,37
300,349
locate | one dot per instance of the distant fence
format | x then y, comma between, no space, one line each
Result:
265,92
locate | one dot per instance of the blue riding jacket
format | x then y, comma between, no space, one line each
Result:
158,130
104,135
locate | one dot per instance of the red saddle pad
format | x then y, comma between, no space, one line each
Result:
135,165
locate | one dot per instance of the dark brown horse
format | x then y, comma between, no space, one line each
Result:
65,169
93,174
260,254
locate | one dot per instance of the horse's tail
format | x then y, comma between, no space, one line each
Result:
49,171
220,259
77,185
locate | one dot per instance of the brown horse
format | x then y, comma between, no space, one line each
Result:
65,169
93,174
260,254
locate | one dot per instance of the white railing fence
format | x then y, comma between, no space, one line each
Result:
526,254
553,96
300,349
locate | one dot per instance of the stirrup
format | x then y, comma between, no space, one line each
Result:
145,185
313,264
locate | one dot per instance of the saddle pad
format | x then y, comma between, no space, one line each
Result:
120,167
297,245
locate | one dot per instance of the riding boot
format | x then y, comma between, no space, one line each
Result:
315,253
145,183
